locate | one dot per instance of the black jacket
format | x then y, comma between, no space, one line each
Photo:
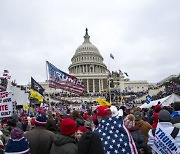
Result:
90,143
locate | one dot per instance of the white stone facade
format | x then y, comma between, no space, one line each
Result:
87,65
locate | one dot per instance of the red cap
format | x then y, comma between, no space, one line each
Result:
93,117
82,129
68,126
103,111
86,116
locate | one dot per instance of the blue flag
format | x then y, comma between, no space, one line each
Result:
115,137
148,99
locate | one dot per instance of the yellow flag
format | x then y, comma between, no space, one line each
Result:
31,109
26,107
103,102
35,94
122,99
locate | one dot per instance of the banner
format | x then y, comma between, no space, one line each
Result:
36,86
6,105
164,143
61,80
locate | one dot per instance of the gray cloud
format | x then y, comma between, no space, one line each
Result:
142,35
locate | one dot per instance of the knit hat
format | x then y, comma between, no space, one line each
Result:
68,126
82,129
41,121
17,143
103,111
129,121
86,116
164,116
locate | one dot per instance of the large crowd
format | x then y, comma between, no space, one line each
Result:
106,130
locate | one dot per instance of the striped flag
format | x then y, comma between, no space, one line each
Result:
61,80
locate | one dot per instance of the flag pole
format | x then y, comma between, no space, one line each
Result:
48,84
109,80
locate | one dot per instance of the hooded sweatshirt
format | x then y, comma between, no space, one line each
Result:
64,145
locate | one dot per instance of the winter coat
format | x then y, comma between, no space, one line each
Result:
138,137
40,140
144,127
64,145
90,143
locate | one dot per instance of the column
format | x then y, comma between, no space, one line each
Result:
83,68
93,86
100,85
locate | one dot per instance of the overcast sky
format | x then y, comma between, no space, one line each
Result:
142,35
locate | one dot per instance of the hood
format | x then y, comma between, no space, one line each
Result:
60,140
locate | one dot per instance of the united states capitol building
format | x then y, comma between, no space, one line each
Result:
88,66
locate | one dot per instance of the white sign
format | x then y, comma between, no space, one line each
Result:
6,105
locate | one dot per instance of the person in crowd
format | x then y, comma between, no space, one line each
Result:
137,135
15,118
40,139
90,143
175,116
6,133
142,125
51,126
150,115
17,144
65,143
79,132
113,134
86,116
165,138
157,108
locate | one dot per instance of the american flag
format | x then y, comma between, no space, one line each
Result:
61,80
115,137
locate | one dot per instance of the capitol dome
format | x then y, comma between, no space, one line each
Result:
87,46
87,65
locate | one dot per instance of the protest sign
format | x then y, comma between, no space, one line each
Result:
6,105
